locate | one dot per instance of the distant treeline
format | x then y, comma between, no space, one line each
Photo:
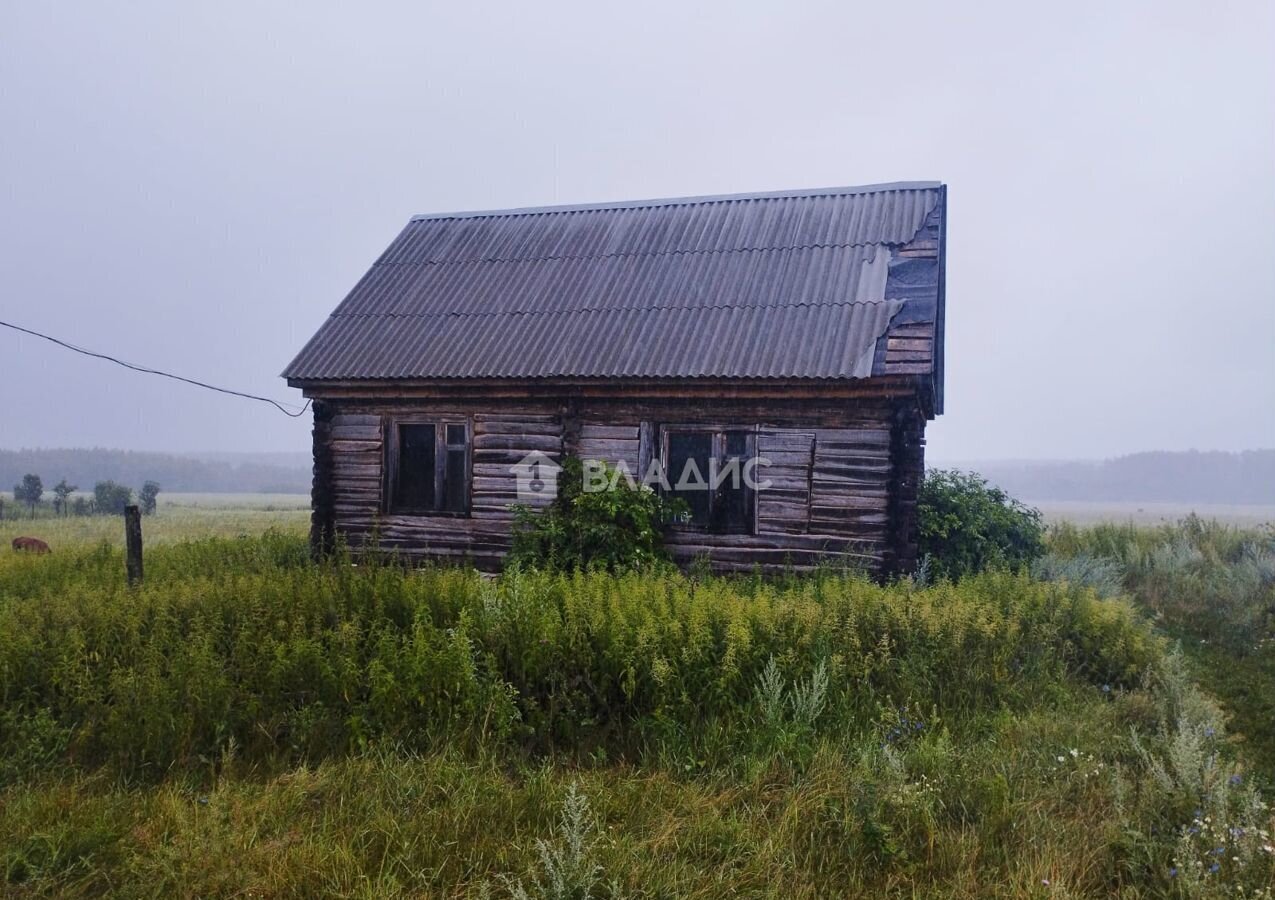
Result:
1186,477
176,473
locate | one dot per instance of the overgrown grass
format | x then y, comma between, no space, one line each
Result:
1210,580
1211,586
247,723
246,641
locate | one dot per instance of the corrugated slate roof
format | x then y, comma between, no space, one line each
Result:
788,284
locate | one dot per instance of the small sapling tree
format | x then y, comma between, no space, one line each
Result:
29,491
63,491
147,496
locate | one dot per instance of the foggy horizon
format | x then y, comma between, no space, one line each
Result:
196,189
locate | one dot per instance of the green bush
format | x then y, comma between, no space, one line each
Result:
967,525
110,498
617,528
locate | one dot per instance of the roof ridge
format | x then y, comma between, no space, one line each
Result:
467,314
646,253
686,201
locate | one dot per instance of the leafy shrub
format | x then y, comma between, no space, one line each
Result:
619,527
968,525
110,498
148,497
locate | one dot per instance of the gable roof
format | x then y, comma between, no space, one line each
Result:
794,284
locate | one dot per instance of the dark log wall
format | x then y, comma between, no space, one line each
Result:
322,513
908,451
501,438
837,493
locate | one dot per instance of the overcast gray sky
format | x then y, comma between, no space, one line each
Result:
196,186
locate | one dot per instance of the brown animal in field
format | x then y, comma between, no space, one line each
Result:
30,545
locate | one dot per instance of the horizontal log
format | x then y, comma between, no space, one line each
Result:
490,508
495,470
833,508
854,466
514,415
907,356
500,484
590,431
357,491
776,482
368,476
432,526
507,431
782,512
861,437
506,457
784,457
526,443
608,445
767,555
356,432
782,479
796,437
355,419
909,344
782,526
343,469
340,446
812,541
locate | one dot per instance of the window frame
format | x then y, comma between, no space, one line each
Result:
441,447
717,432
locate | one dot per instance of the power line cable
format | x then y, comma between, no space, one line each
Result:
149,371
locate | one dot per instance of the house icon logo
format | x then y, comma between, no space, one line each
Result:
537,476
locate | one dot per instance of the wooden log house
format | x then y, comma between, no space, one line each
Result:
802,329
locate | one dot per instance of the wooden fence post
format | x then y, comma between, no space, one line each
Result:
133,544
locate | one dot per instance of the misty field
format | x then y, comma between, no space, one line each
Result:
178,517
250,724
1092,512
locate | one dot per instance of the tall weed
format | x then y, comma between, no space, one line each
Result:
247,640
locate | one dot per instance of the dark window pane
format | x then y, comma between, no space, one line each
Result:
732,510
454,494
415,478
688,472
455,435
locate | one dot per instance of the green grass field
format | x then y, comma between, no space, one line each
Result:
178,517
250,724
